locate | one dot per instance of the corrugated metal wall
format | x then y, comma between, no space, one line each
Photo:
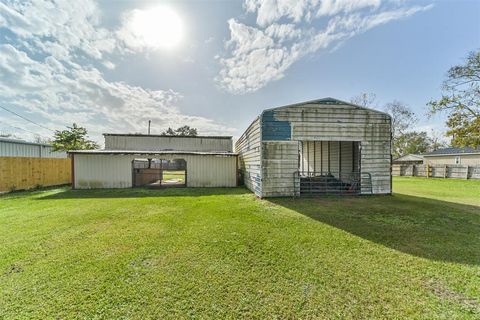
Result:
278,132
20,149
115,171
249,158
157,143
335,123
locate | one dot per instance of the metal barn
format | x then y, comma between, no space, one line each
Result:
142,160
20,148
318,147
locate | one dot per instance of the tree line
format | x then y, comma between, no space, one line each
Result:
460,100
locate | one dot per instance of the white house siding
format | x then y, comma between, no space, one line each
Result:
465,159
328,125
94,171
157,143
11,148
248,148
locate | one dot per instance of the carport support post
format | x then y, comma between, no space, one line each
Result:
72,162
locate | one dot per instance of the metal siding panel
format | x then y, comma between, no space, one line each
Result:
12,149
249,151
313,122
151,143
115,171
274,129
279,162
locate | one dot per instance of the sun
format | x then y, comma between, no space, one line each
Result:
158,27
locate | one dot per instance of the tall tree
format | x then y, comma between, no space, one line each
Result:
403,118
461,101
181,131
73,138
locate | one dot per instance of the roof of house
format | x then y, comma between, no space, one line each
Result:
152,152
453,151
410,157
163,135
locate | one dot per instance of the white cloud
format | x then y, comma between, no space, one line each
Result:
49,72
257,55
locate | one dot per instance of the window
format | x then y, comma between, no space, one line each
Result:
457,160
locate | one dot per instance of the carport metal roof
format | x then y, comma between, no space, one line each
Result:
152,152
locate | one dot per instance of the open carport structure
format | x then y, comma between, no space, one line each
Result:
325,146
207,161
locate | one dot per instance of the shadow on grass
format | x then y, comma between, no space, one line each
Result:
423,227
143,192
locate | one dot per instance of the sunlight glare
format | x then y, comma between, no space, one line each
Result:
159,27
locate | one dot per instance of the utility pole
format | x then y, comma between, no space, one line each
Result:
149,121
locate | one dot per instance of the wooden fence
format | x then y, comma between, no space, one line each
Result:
18,173
436,171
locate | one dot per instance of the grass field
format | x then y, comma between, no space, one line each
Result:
222,253
178,175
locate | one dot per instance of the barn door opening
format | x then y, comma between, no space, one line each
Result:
328,167
159,173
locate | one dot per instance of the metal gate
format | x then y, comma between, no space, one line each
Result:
315,183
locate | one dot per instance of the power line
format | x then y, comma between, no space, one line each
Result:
24,118
34,133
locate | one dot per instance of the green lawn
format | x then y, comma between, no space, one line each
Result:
174,175
222,253
451,190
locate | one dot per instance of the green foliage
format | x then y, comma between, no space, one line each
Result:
217,253
74,138
411,142
414,142
181,131
461,101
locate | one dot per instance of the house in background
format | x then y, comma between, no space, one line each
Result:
409,159
324,146
453,156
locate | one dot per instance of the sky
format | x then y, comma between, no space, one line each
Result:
111,66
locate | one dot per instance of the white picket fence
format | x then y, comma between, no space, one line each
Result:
436,171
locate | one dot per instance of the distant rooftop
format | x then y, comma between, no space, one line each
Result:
163,135
452,151
9,140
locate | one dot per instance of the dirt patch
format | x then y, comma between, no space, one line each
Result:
14,268
445,293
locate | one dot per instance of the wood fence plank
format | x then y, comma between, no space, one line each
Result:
25,173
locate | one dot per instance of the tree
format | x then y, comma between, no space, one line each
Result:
365,99
461,100
40,139
181,131
412,142
73,138
403,118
